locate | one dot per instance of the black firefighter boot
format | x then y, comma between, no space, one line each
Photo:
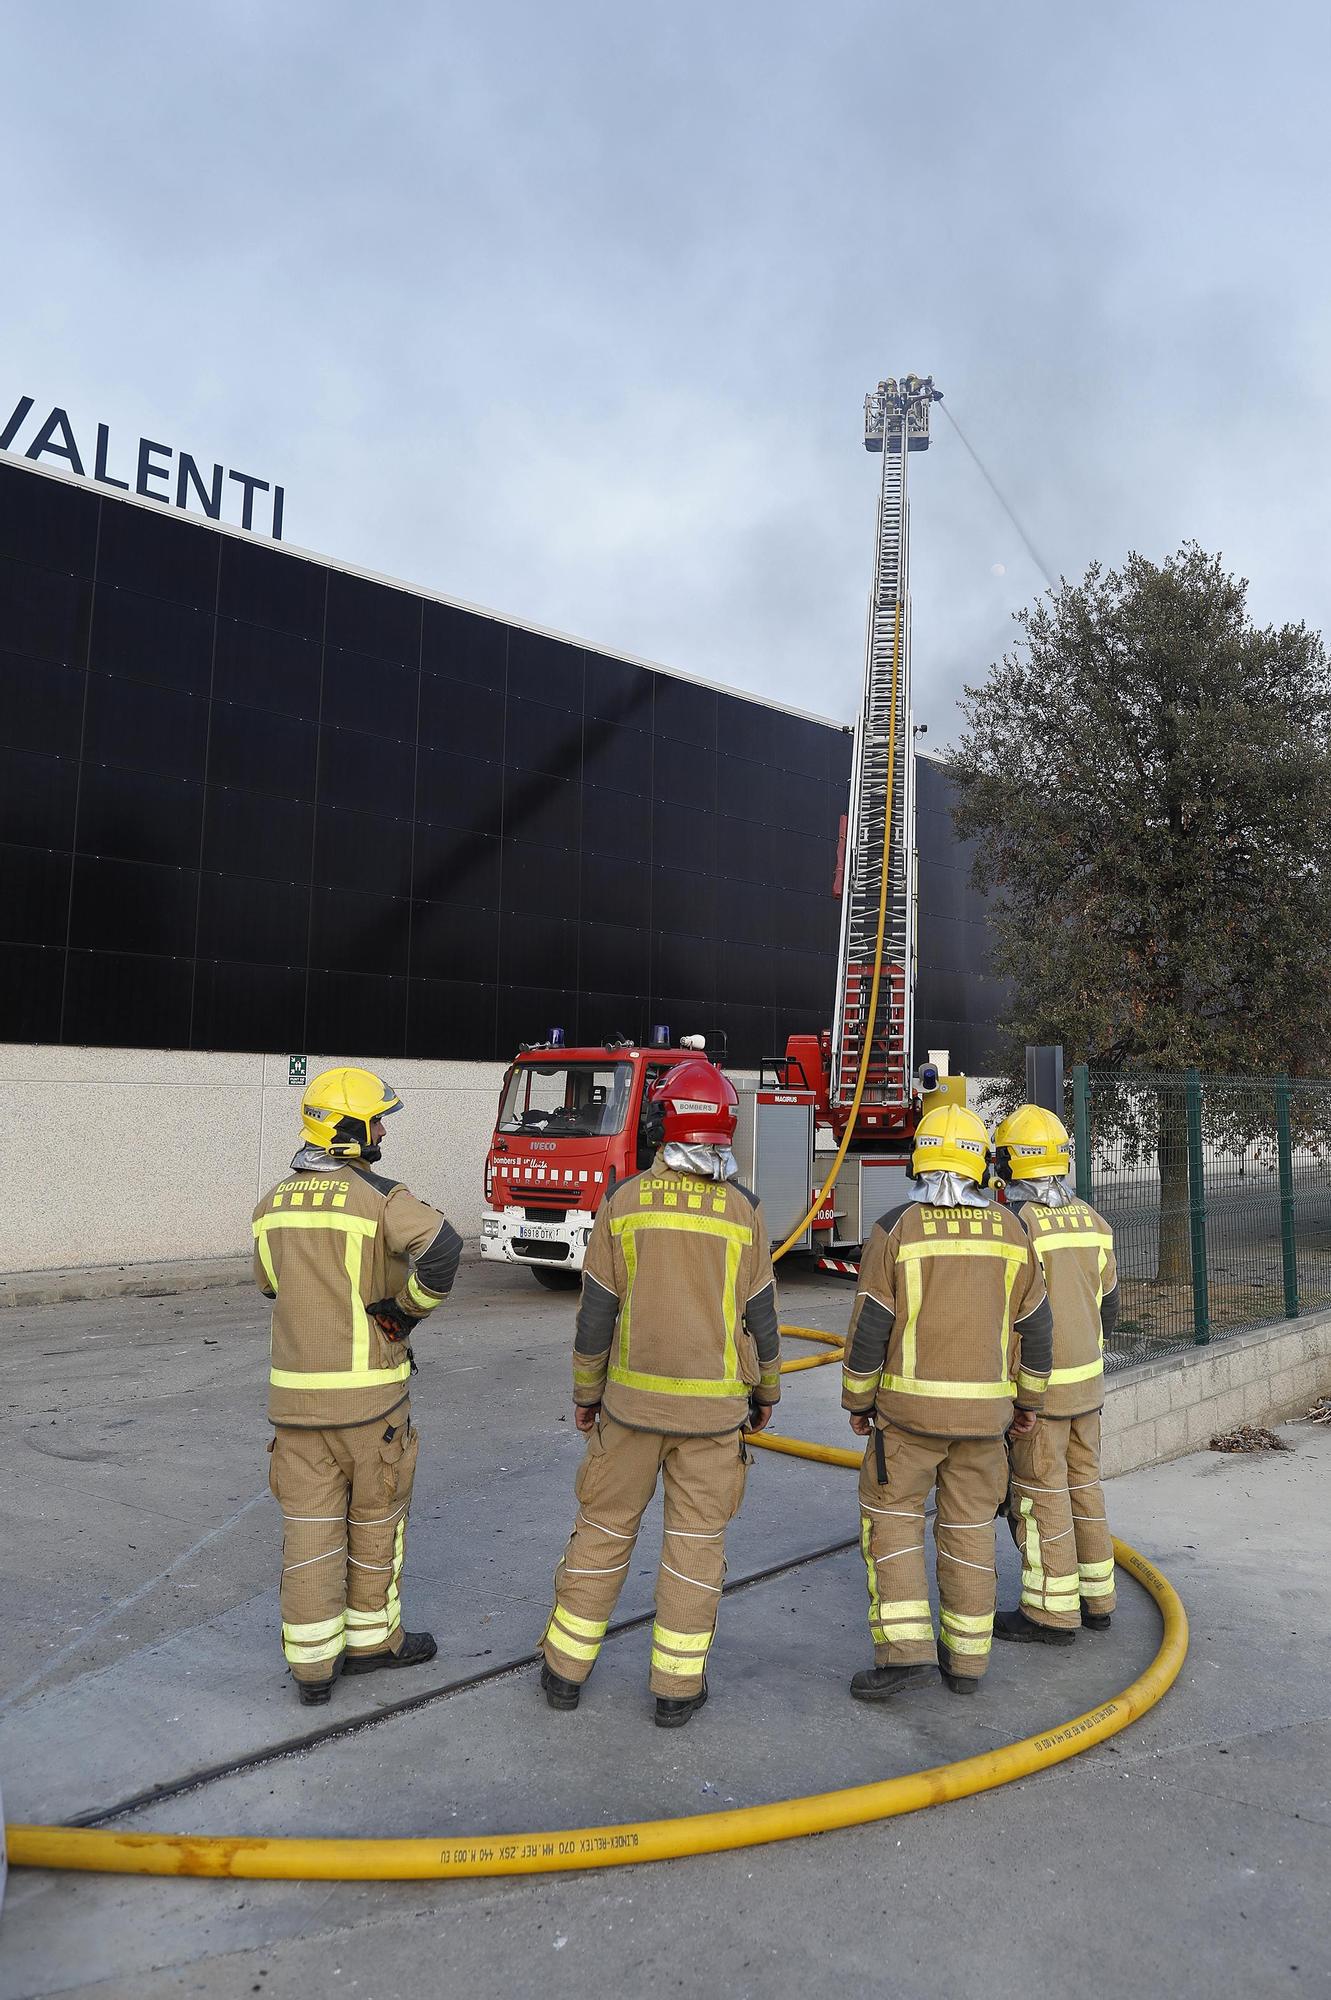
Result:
1094,1621
673,1711
559,1693
415,1650
1016,1625
881,1683
955,1683
313,1694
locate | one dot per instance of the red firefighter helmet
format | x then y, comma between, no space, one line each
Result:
699,1103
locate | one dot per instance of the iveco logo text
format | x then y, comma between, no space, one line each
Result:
544,1146
55,439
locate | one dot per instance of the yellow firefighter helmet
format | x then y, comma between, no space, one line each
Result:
951,1140
1031,1144
339,1107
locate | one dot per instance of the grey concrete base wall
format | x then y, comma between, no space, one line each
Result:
1179,1403
115,1156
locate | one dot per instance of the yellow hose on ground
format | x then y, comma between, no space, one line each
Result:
448,1857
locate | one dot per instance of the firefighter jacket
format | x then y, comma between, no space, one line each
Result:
950,1322
1075,1247
677,1328
328,1241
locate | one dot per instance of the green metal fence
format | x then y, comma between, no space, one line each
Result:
1218,1189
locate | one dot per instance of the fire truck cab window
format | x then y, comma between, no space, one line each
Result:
568,1100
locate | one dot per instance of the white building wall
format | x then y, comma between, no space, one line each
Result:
115,1156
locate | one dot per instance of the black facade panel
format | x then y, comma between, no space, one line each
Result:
44,614
958,999
250,801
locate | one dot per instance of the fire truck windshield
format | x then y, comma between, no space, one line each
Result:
571,1100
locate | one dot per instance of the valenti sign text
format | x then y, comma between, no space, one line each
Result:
158,472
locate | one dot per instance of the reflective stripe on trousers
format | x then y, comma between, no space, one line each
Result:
969,1475
704,1484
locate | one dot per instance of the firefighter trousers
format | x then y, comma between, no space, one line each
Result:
1056,1508
899,1470
704,1485
344,1495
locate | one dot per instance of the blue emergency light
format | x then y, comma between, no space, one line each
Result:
556,1038
660,1038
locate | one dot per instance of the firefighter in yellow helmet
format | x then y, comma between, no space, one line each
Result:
353,1263
1056,1504
949,1330
683,1252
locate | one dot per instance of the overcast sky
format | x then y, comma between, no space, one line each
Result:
569,310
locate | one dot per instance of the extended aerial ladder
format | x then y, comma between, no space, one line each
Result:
882,792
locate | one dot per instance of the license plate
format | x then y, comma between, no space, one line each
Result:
544,1232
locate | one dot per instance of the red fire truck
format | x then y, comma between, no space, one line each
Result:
571,1124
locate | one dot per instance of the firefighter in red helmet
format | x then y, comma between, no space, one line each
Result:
677,1348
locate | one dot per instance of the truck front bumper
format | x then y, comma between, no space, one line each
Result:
507,1237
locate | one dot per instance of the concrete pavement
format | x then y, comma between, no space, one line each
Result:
138,1643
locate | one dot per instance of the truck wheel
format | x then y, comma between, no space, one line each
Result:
554,1279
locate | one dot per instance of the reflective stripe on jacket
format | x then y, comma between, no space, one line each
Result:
1075,1246
677,1325
328,1241
950,1324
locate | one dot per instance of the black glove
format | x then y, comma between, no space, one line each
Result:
390,1319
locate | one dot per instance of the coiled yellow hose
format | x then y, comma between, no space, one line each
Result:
442,1857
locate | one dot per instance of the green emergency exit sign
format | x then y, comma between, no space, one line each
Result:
296,1070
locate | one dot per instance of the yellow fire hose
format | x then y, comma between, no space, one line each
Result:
442,1857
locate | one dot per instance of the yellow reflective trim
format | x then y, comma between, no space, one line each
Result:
1033,1384
1103,1588
630,1249
734,1251
345,1225
898,1633
308,1635
360,1320
1082,1374
363,1619
671,1385
1105,1568
427,1301
1072,1239
298,1655
681,1642
907,1607
914,1297
700,1225
581,1628
574,1648
984,1246
857,1384
958,1390
669,1663
964,1621
346,1378
956,1645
